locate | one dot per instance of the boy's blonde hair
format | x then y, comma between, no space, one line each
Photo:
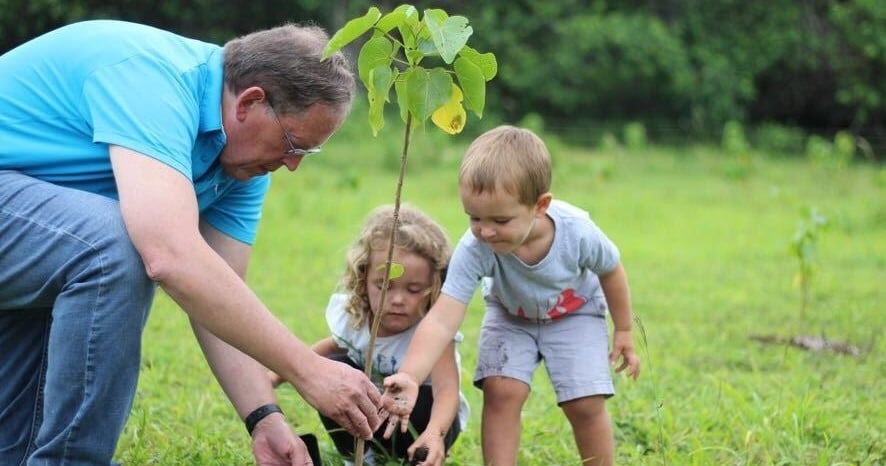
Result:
416,233
510,158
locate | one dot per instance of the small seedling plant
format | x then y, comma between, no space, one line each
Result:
804,248
434,74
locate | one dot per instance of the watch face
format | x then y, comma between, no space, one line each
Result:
313,448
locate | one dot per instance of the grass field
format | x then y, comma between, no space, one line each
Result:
705,243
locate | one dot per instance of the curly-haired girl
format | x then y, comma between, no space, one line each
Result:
423,251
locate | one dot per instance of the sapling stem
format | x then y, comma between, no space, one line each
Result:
380,307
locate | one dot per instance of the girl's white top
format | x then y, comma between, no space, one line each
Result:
389,351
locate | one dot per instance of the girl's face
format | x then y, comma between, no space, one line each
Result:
407,296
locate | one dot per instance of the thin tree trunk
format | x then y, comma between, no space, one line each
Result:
367,364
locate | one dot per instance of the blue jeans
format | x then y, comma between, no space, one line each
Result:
74,297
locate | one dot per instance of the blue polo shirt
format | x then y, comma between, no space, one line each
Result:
65,96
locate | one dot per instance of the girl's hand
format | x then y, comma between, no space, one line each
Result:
623,347
275,379
401,392
434,451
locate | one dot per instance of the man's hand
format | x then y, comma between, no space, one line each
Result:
401,392
623,347
343,394
274,444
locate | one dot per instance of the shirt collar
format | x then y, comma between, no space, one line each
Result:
210,103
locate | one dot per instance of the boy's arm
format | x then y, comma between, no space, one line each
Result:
433,335
445,386
618,298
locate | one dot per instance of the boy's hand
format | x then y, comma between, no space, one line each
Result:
401,392
623,346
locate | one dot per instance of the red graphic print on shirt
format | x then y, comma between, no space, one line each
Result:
567,302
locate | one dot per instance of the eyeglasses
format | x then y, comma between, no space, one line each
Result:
293,151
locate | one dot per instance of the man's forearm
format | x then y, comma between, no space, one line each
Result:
223,305
242,378
178,255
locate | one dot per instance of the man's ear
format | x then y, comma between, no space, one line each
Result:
247,98
543,202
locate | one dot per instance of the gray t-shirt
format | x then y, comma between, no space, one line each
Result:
563,282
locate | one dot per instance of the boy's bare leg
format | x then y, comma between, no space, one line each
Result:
592,429
503,399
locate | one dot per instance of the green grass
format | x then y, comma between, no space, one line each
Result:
705,244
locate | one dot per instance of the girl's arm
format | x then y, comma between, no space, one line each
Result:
445,386
325,347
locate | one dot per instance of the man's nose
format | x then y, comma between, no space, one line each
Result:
292,162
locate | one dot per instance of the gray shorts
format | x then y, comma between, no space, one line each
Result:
575,349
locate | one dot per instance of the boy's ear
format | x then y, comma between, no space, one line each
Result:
543,202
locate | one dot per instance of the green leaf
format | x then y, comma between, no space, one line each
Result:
427,91
395,272
376,114
439,89
402,98
436,14
380,80
485,61
473,85
396,18
409,28
426,47
416,87
449,35
351,30
414,56
375,52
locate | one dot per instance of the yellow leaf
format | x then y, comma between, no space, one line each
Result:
451,117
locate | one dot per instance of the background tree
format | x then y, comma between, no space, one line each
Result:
682,67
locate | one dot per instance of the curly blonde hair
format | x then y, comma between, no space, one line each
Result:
416,233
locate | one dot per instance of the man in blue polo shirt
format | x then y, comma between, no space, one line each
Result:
131,156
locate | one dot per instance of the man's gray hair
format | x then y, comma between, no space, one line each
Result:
286,62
